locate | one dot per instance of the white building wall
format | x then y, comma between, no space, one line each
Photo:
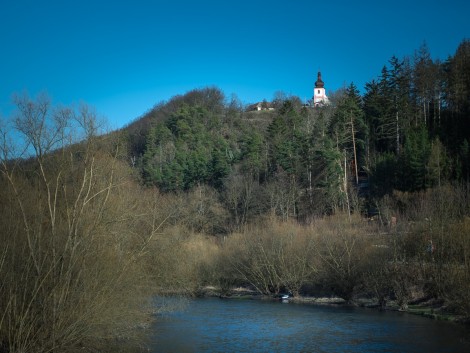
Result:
319,96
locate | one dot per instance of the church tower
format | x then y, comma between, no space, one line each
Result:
319,95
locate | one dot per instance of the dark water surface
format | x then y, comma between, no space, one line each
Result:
217,325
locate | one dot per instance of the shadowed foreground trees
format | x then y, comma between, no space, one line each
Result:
75,230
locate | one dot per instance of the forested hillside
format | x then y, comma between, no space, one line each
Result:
408,132
368,197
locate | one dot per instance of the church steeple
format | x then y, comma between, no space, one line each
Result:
319,83
319,95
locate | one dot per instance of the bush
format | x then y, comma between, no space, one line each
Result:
74,231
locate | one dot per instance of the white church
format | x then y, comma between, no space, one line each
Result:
319,98
319,93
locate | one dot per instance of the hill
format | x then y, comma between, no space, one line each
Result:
408,132
200,192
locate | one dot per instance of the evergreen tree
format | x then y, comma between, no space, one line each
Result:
400,88
425,85
457,97
284,137
332,178
186,150
160,150
381,114
220,163
253,153
349,130
437,168
458,88
416,151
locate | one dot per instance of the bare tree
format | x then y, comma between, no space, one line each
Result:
69,257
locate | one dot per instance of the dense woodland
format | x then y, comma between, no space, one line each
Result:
366,197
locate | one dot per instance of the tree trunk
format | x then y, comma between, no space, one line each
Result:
346,187
397,134
354,149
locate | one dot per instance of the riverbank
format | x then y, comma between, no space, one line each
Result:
430,308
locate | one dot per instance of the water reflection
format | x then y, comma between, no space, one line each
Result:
214,325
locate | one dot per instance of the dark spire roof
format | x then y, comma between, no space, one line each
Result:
319,83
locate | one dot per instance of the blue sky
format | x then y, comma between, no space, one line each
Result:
122,57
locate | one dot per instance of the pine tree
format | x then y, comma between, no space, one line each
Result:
415,159
349,130
253,153
378,110
332,178
424,83
458,95
400,88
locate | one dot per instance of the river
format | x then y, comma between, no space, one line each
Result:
217,325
